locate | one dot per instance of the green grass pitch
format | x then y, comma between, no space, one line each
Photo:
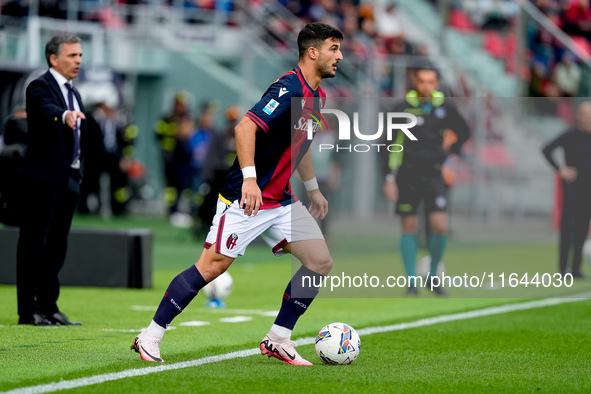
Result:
538,350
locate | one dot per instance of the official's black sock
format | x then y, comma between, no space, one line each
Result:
181,291
299,294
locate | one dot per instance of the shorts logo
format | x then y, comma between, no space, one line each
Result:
270,107
231,241
404,207
440,202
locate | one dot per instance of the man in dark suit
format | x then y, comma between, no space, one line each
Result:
51,182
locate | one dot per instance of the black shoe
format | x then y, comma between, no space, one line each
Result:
36,319
412,290
440,291
62,319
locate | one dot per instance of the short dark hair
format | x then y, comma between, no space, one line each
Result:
54,46
427,67
314,34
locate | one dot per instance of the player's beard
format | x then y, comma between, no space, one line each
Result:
326,70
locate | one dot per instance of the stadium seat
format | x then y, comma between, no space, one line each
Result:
511,45
494,154
494,44
583,44
461,21
511,53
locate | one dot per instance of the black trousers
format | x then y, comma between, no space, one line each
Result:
46,217
574,225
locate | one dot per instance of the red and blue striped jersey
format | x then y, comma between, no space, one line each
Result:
283,140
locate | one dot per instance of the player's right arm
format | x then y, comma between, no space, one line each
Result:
390,189
569,174
245,133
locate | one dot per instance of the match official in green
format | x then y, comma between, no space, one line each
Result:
414,175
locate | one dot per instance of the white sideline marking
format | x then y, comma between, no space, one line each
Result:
242,311
194,323
144,308
152,308
97,379
235,319
132,330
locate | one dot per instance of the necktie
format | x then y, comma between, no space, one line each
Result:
76,153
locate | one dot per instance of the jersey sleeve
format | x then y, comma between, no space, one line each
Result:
458,125
274,105
551,146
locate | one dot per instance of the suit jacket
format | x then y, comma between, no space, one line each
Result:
50,143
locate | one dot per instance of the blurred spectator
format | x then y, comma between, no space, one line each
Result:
327,170
491,14
13,144
117,137
53,9
17,10
554,71
200,142
183,175
577,18
388,23
174,132
220,156
322,9
567,75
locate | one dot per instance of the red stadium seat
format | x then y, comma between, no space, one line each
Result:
494,44
494,154
460,20
511,45
583,44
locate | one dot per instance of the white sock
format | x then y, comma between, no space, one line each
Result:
281,331
155,330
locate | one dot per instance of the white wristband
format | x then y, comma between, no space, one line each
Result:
390,178
312,184
249,172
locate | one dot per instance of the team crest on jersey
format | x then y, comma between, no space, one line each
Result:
270,107
231,241
440,112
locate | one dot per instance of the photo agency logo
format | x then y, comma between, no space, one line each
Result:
388,122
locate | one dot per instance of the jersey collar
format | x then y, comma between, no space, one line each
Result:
299,72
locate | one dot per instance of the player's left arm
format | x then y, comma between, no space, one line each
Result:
460,127
245,133
319,204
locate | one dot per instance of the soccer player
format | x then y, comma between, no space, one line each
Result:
256,199
576,187
440,130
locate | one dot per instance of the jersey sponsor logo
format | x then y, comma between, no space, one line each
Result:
310,122
231,241
282,91
303,125
270,107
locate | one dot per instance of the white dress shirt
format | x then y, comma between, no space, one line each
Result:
62,81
